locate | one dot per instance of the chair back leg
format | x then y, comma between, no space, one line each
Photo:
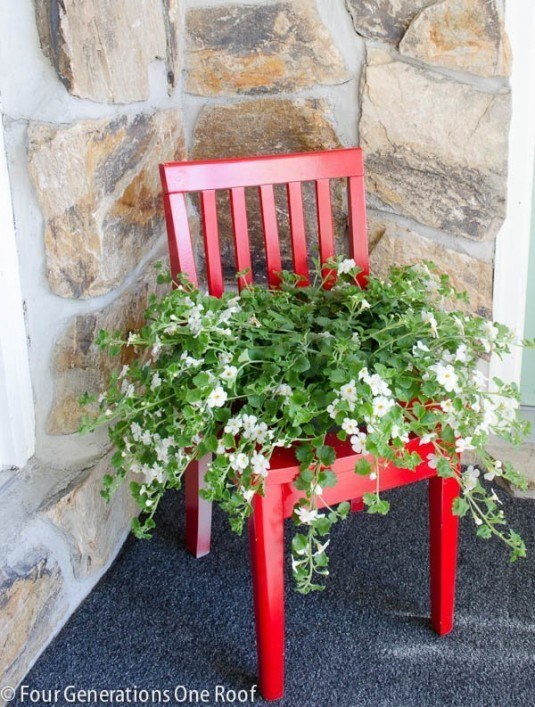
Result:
198,511
443,537
266,537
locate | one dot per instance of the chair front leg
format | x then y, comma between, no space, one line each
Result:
198,510
443,537
357,505
266,538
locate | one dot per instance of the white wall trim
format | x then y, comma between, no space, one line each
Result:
17,420
512,244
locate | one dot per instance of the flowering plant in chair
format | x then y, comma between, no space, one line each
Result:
240,375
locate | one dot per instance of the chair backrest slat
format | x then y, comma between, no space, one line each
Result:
240,227
358,239
212,247
325,219
271,233
234,176
297,230
180,249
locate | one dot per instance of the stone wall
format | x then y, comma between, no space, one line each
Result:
96,94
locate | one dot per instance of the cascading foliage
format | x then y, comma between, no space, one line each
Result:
240,375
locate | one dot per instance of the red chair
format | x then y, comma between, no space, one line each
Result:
266,525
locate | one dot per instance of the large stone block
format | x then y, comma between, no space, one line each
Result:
401,246
269,126
467,35
78,363
101,49
94,529
246,49
98,185
32,605
436,150
383,19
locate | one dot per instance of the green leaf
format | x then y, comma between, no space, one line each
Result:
299,543
343,509
326,455
301,364
460,506
363,467
201,380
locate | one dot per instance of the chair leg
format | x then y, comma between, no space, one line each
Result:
266,538
357,505
443,535
198,510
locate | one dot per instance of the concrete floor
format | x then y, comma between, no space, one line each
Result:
522,459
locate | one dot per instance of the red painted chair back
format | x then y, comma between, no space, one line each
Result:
235,175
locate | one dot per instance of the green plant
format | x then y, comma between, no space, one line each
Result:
243,374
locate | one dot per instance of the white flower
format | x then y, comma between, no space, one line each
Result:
135,429
382,405
283,389
190,360
146,438
355,338
496,471
428,437
364,375
155,382
226,331
221,449
225,358
248,494
217,398
358,443
446,377
418,348
432,461
233,426
378,385
373,476
462,354
259,464
321,548
249,426
331,409
238,461
154,473
157,348
350,426
470,477
306,516
494,497
229,373
428,318
346,266
463,444
127,389
447,405
261,432
162,449
348,392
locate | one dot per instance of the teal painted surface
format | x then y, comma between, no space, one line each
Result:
527,385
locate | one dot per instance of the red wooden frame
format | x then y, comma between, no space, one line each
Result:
266,528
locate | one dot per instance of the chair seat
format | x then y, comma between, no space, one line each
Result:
285,468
